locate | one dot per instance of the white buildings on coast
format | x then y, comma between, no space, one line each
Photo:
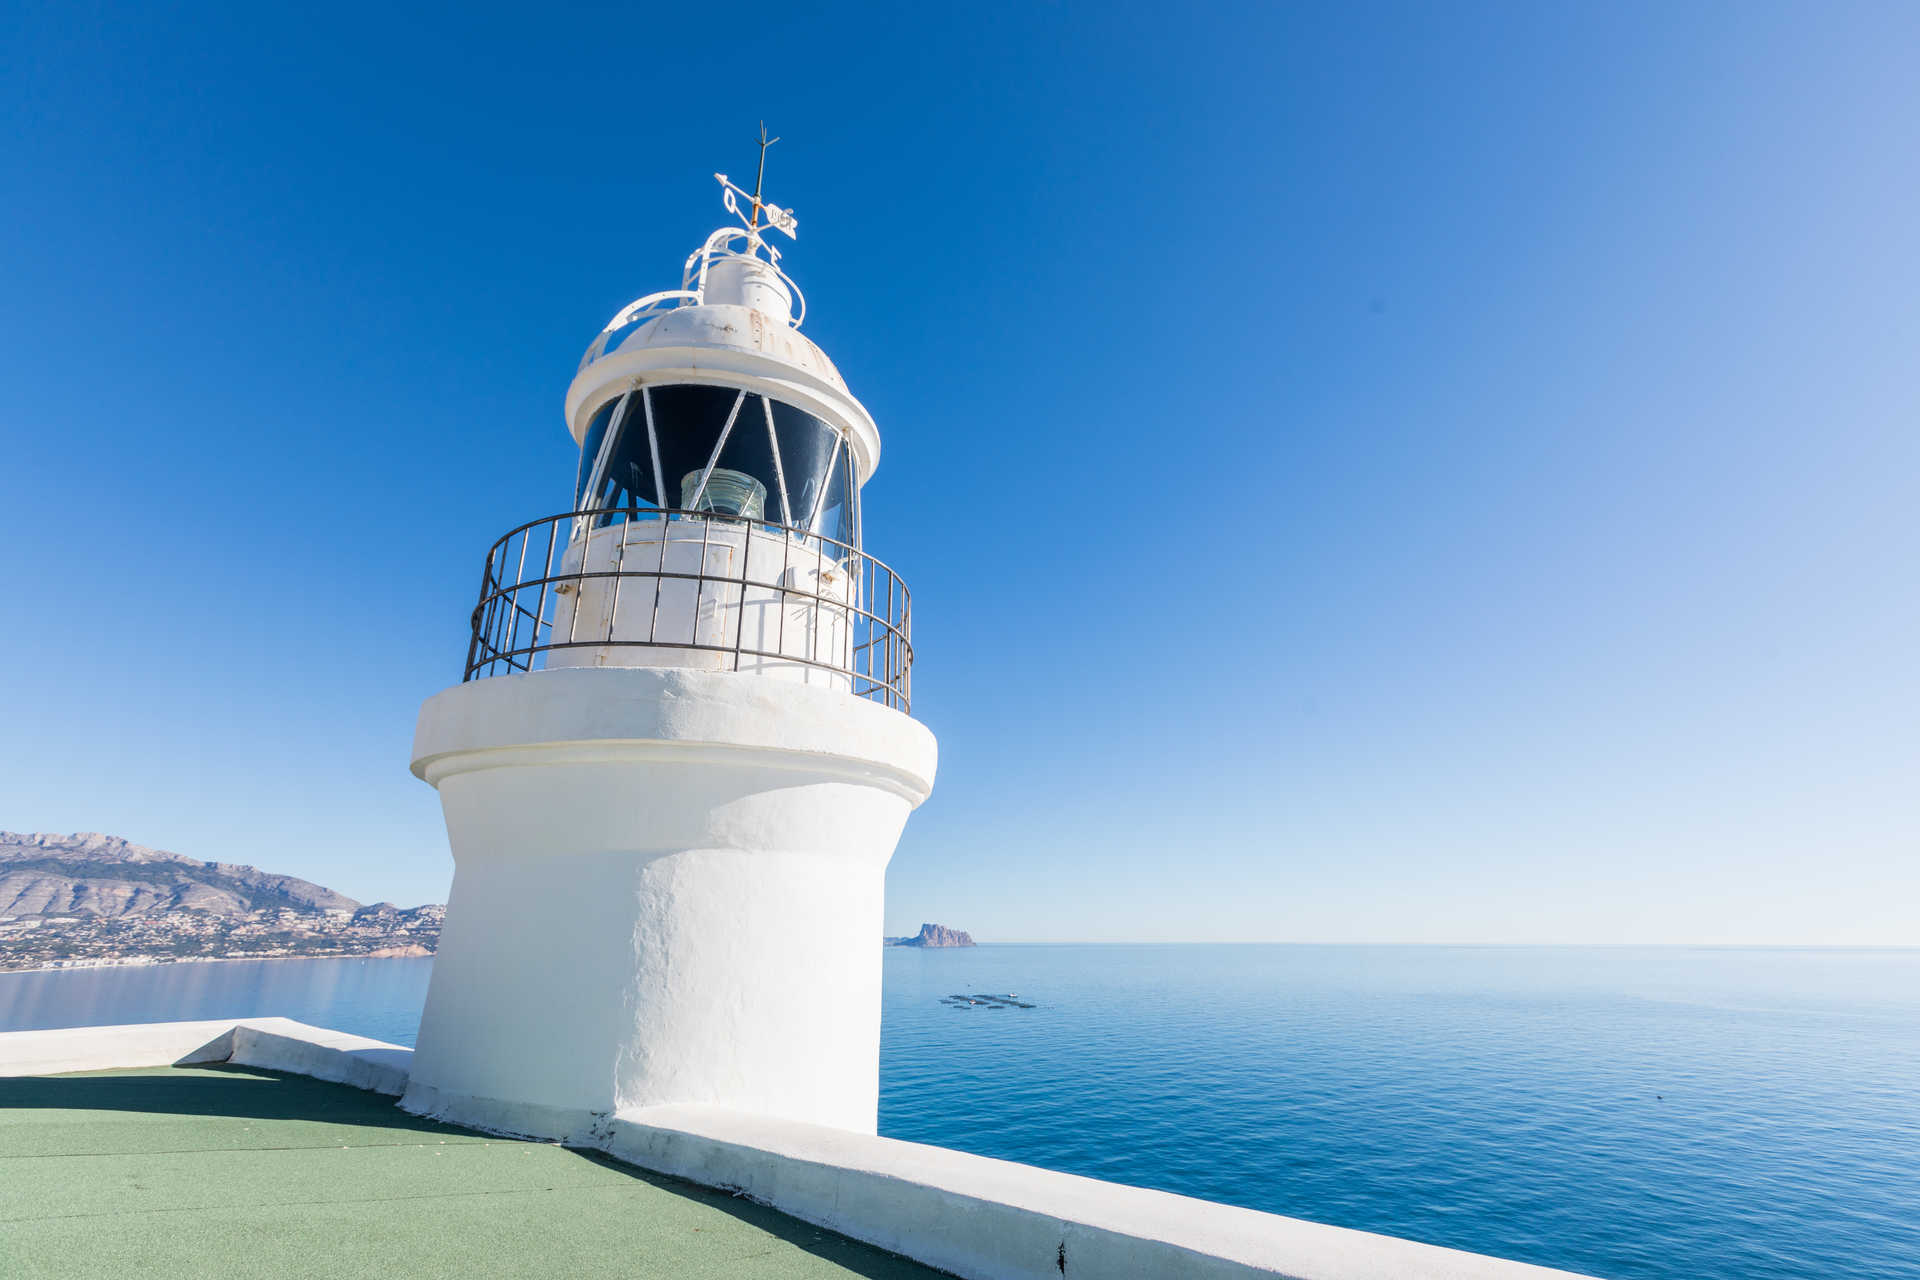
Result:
84,941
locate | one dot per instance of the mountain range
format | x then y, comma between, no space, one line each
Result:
100,875
92,899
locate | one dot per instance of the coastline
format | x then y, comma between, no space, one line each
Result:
409,952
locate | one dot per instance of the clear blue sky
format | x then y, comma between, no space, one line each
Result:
1410,472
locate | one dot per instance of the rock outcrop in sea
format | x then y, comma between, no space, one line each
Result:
934,935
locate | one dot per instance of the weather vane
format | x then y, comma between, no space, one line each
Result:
778,218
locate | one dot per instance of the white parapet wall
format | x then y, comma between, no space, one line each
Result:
996,1220
276,1044
977,1218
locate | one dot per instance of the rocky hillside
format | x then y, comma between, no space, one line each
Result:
88,900
96,875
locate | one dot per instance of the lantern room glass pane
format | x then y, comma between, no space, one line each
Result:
590,450
627,482
818,495
688,421
745,482
806,447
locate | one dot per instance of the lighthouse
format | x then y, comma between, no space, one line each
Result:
682,752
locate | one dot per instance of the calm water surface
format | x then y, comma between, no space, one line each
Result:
1660,1113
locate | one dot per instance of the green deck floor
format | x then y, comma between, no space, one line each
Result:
218,1171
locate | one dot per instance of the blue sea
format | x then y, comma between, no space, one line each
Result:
1671,1113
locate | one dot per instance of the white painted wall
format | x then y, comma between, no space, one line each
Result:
668,889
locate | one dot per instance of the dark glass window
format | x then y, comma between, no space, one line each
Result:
744,481
818,495
688,421
590,451
806,446
627,482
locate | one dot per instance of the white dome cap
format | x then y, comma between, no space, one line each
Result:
730,324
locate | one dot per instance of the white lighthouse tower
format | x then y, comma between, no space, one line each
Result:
681,755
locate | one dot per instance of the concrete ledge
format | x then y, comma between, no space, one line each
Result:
276,1044
978,1218
147,1044
281,1044
995,1220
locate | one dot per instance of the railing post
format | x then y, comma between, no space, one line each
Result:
473,646
513,598
653,623
540,609
740,605
619,572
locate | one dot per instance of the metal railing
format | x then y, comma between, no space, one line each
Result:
717,590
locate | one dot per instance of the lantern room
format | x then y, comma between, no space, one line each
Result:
701,448
714,517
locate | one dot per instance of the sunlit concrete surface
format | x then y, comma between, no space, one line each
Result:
227,1171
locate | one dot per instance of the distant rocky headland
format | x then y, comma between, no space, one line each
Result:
934,935
80,901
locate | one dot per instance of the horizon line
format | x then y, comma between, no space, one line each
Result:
1271,942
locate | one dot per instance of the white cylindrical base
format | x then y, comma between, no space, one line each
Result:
668,889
